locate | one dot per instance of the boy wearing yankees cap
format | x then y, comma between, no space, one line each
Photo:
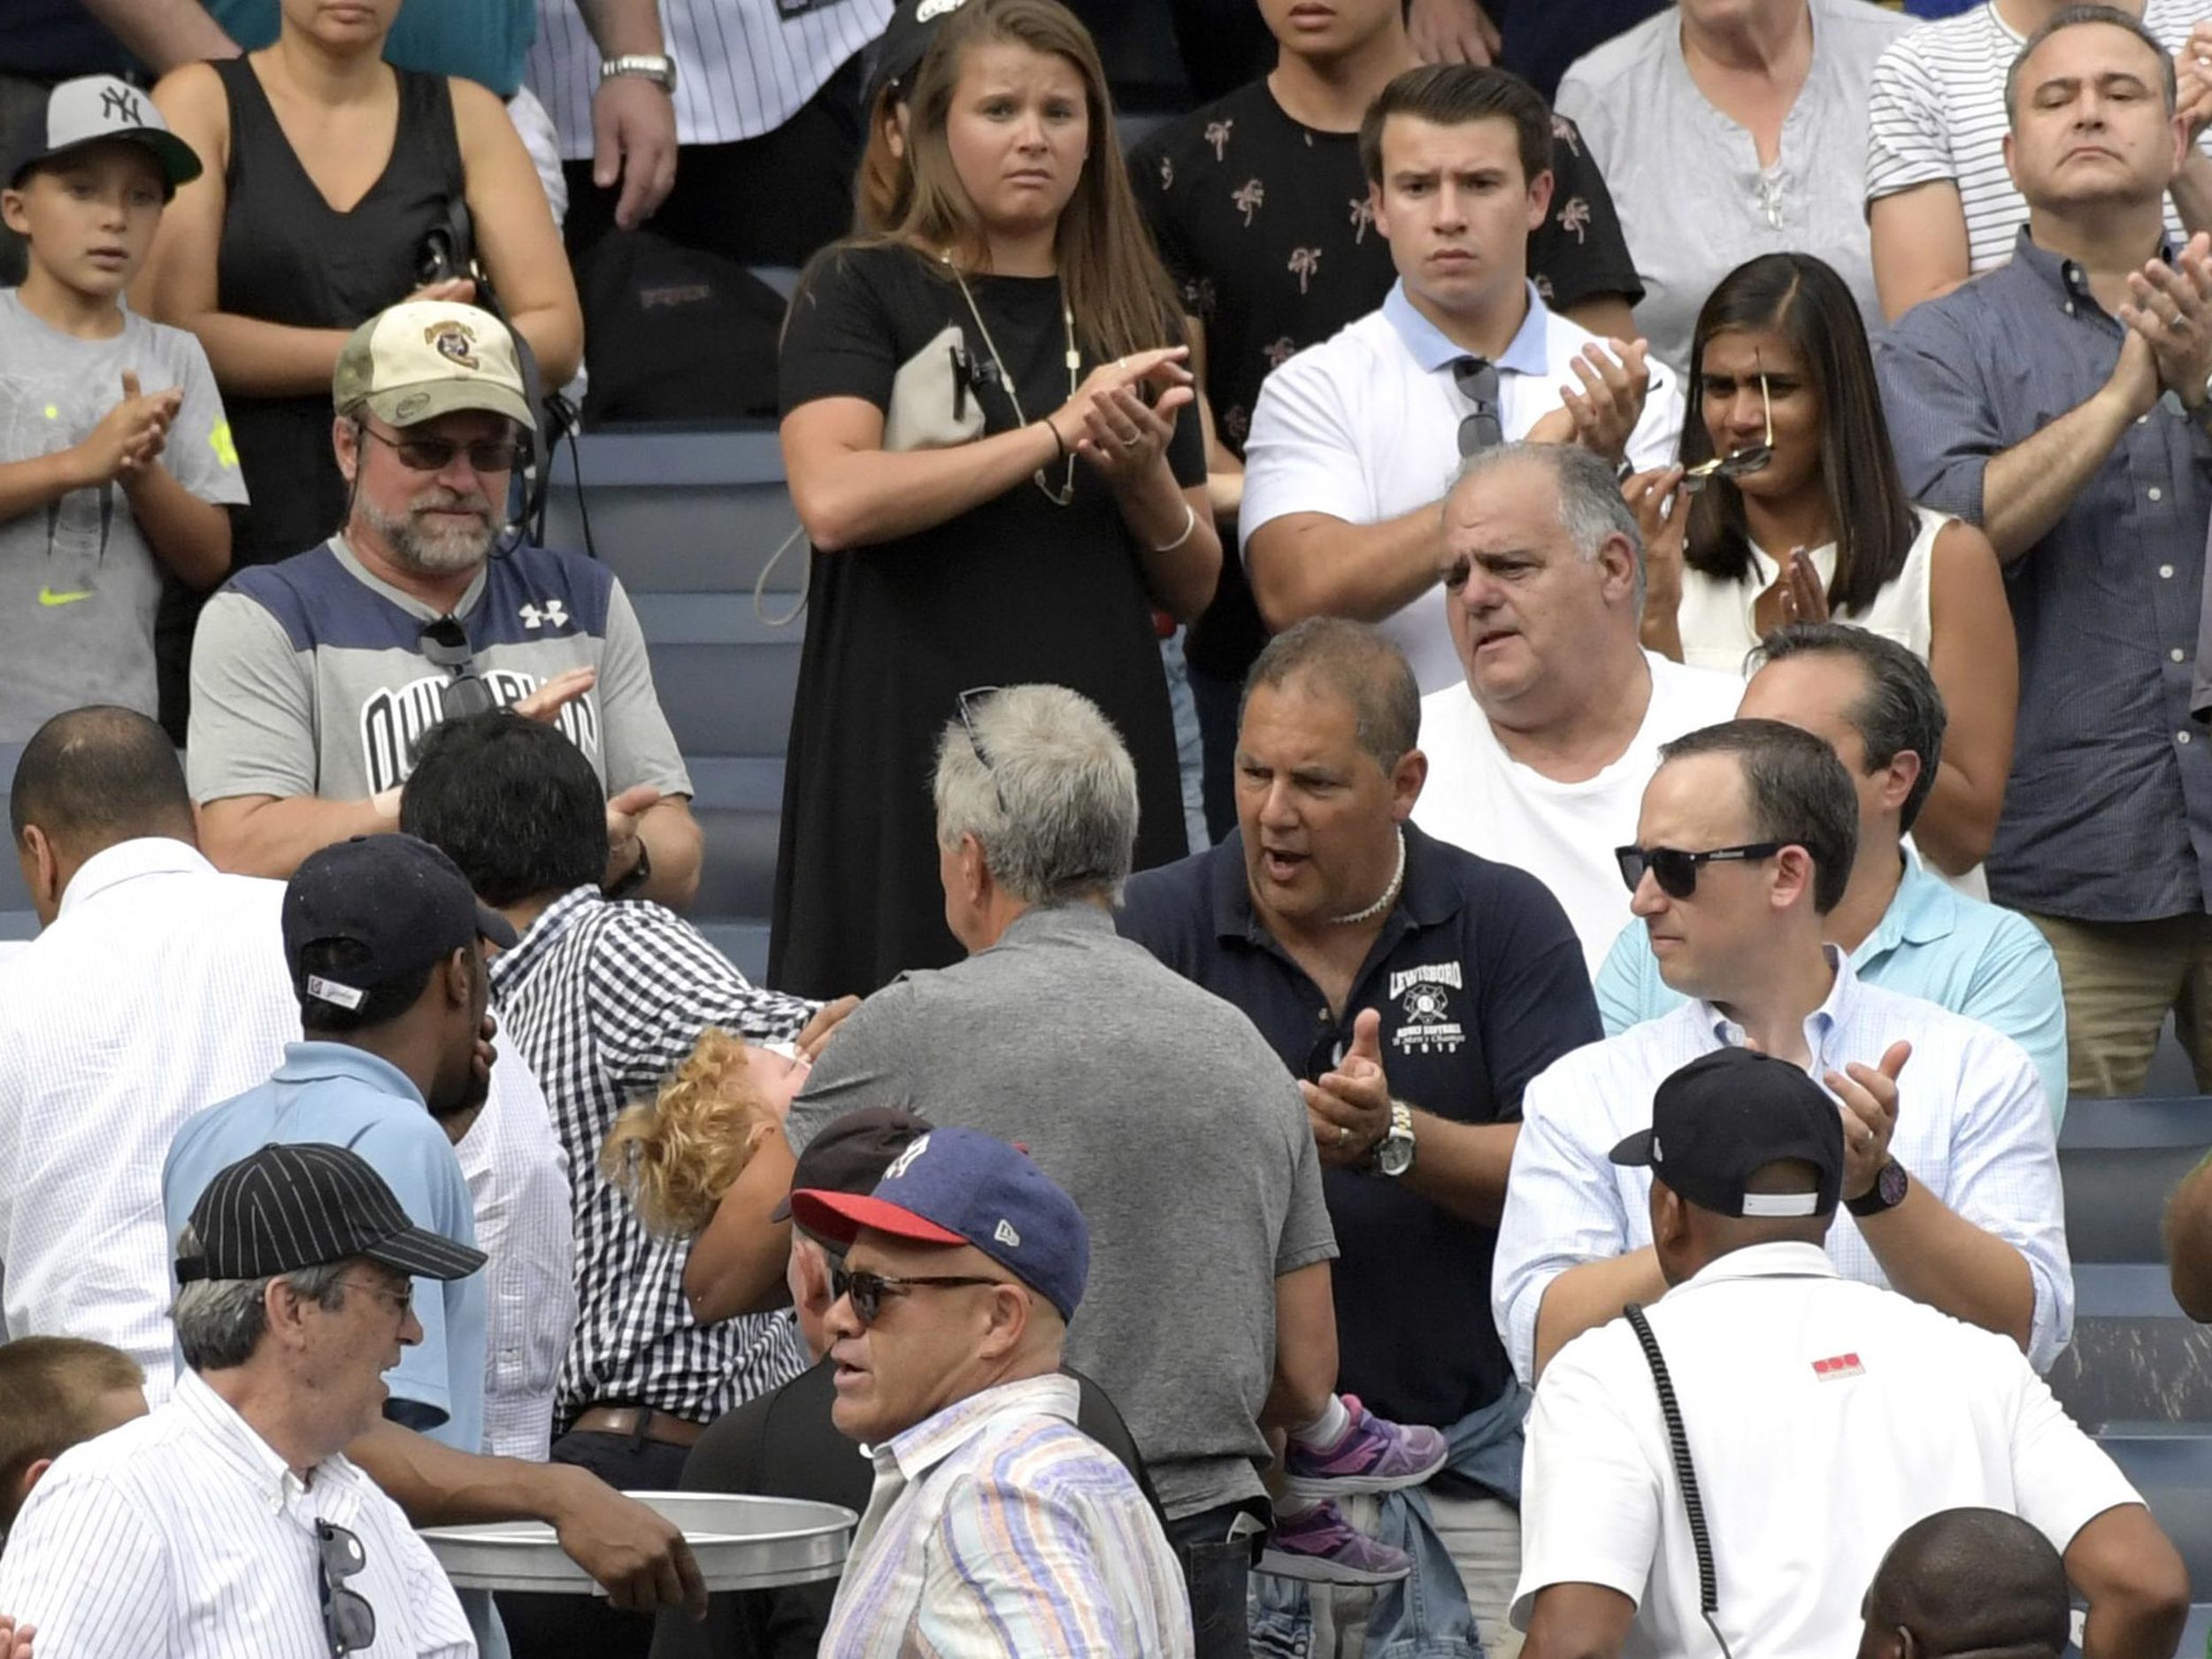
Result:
961,1272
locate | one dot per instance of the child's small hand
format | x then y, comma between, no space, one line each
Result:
133,435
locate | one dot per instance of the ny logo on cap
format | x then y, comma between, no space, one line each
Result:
905,1160
121,104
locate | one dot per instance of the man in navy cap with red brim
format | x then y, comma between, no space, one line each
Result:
961,1272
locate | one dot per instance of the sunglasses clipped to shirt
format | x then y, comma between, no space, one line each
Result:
1676,871
349,1621
446,643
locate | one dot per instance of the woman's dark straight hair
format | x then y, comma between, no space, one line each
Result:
1804,301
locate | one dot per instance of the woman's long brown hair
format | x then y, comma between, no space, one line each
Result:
1120,294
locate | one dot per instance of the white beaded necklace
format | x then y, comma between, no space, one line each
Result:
1389,894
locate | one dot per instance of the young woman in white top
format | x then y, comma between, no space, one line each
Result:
1794,512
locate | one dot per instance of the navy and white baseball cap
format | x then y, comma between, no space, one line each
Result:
1729,1114
93,108
963,1186
399,902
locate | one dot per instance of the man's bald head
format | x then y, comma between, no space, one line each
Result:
94,777
1977,1582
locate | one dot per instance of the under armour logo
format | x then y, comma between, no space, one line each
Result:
120,104
905,1160
1005,1234
555,612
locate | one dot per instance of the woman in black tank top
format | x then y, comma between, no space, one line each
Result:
295,233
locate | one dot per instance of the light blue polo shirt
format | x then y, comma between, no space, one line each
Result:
1934,943
340,1095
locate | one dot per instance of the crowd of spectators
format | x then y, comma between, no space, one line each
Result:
1430,936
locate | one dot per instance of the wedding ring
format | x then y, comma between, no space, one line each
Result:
1342,1135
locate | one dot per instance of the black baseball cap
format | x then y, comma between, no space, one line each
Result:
287,1207
904,43
851,1155
398,899
88,110
1730,1113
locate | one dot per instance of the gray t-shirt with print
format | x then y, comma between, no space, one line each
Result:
1165,1116
78,585
309,676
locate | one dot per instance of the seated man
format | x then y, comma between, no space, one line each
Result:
1968,1580
1353,440
1057,1034
786,1444
1744,845
1414,989
1903,927
948,1369
1540,752
231,1520
314,679
57,1392
1769,1425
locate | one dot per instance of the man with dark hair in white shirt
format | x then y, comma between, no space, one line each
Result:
230,1523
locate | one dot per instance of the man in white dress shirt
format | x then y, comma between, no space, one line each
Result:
228,1524
1354,441
1807,1418
1746,841
1539,756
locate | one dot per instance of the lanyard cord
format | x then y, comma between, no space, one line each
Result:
1679,1447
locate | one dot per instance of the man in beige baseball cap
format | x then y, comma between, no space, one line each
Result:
314,679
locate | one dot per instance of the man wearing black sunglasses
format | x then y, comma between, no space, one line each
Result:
1744,845
316,678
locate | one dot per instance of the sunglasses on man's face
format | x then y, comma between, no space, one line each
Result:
869,1290
434,455
1676,871
349,1621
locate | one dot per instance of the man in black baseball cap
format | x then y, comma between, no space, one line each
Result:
230,1519
1743,1149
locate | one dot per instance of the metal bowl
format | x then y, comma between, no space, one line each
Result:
741,1542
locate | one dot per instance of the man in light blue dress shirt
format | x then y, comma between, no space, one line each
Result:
1904,926
1951,1193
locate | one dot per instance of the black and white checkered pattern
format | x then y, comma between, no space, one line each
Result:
605,1000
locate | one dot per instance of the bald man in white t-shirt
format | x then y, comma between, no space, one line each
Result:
1540,759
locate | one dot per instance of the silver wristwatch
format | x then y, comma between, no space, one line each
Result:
656,67
1394,1152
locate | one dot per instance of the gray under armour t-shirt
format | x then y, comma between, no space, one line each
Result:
309,676
78,584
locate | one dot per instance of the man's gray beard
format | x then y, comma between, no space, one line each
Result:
426,554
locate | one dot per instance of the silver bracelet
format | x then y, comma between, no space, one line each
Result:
1190,523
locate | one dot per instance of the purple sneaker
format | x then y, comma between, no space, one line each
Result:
1320,1547
1373,1457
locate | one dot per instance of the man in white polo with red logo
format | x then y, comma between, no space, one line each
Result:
1819,1417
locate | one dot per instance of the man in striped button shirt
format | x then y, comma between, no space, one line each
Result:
996,1526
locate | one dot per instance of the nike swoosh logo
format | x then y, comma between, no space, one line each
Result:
47,596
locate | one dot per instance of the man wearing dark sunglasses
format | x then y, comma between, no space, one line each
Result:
231,1520
961,1273
316,678
1744,845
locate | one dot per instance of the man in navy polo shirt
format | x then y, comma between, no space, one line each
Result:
1414,989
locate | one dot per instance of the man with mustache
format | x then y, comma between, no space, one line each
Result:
316,677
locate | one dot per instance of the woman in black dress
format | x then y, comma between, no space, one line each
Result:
982,439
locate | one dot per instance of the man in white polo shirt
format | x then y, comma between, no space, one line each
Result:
1354,441
1816,1418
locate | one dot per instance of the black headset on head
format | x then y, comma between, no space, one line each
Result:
449,251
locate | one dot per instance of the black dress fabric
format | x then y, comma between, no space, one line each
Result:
1015,591
288,257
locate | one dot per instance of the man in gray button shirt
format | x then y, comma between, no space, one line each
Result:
2061,402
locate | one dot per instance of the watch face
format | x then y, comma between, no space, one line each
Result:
1889,1185
1394,1157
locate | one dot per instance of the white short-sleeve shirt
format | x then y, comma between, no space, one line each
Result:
1364,427
1823,1418
1479,797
